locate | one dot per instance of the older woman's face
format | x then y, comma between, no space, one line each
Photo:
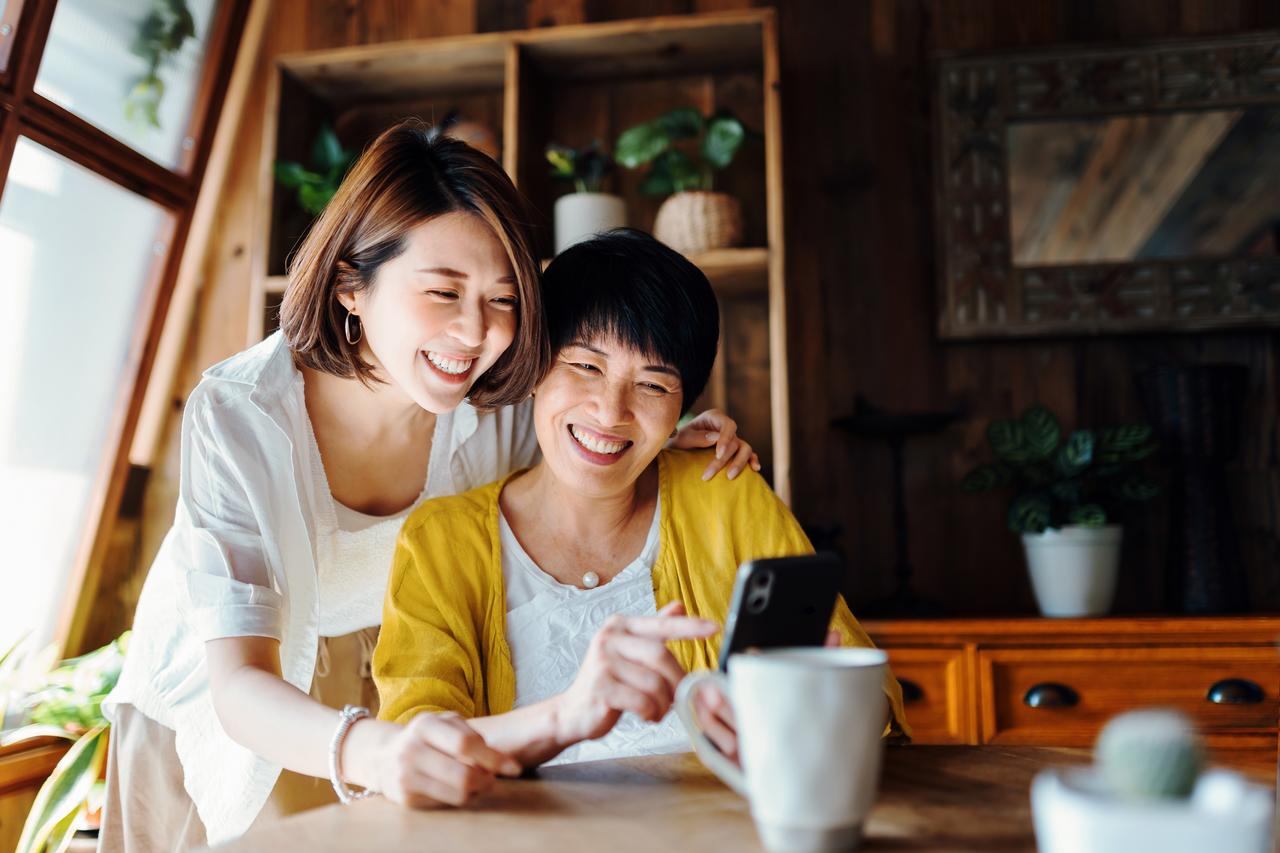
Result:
603,413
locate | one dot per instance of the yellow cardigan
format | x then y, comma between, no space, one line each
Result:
443,643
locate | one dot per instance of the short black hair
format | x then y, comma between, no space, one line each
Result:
627,285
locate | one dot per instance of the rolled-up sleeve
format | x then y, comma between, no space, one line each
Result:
229,581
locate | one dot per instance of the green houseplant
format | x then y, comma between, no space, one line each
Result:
1068,493
683,150
316,185
69,705
160,36
587,210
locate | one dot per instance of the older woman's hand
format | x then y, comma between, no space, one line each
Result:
627,668
714,428
715,714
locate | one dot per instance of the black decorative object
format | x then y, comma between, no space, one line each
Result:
1196,411
869,421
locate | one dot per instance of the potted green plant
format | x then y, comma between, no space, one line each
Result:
68,704
587,210
317,184
695,218
1067,498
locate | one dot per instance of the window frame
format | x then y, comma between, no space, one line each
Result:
24,113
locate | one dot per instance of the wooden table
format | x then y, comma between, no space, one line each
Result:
952,798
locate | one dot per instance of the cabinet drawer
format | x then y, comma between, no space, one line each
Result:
935,690
1062,696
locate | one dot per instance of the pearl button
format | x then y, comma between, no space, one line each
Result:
591,580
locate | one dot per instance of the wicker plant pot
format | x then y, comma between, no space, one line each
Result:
698,221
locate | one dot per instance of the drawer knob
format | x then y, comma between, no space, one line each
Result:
1051,695
1235,691
911,692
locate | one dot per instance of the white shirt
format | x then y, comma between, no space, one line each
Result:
549,629
241,559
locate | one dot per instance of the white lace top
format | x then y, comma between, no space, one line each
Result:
352,546
550,626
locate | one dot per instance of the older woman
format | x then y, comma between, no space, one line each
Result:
540,606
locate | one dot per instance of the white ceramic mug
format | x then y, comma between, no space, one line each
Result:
809,725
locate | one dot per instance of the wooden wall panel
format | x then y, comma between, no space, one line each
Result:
878,327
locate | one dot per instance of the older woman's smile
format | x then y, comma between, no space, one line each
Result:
597,447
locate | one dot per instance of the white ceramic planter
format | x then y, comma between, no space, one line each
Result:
1073,570
1073,812
583,215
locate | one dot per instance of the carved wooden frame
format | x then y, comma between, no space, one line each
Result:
980,292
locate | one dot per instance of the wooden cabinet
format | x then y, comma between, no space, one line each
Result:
936,690
1055,682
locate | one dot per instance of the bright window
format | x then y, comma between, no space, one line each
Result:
78,251
131,69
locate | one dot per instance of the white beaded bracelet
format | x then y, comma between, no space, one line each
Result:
349,716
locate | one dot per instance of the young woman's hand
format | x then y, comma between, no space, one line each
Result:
627,668
435,758
714,428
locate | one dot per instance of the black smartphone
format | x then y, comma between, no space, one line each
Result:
786,601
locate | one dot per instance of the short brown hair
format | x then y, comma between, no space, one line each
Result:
408,175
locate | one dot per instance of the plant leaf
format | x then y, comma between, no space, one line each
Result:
62,833
1076,454
723,139
65,790
984,478
1029,513
640,144
1007,441
1041,432
35,731
671,172
327,152
657,182
1067,491
1123,438
1137,488
680,123
293,174
1088,515
561,160
314,197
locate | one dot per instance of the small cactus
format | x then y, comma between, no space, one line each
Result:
1146,755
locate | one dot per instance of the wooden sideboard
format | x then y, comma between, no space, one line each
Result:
1054,682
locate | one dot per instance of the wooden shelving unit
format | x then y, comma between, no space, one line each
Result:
571,85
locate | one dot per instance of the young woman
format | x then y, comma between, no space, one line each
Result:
411,335
555,618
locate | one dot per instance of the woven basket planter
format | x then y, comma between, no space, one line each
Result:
698,221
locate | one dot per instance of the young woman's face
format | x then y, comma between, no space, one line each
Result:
441,313
603,413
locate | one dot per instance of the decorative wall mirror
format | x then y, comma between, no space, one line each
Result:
1093,191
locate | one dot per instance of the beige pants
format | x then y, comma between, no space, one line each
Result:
147,808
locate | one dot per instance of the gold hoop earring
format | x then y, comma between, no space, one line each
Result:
353,339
